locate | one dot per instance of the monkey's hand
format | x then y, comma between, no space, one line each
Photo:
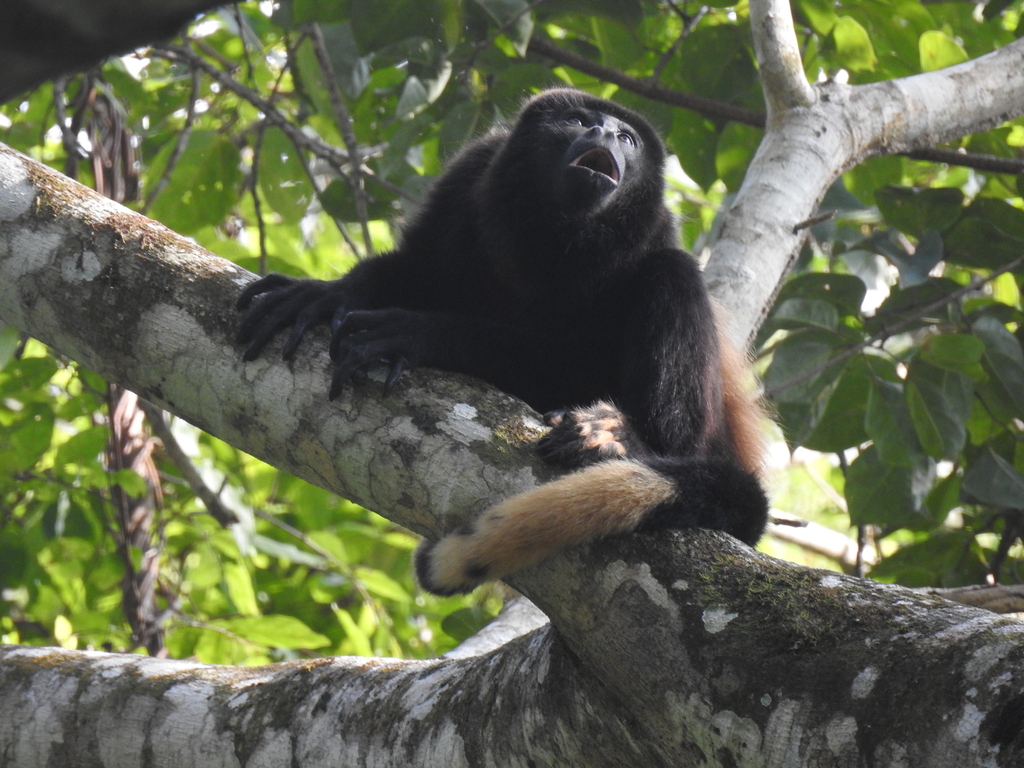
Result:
399,338
285,301
585,436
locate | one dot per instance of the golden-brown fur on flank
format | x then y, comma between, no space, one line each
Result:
608,498
743,409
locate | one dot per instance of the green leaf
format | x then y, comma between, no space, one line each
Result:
240,588
361,644
275,630
339,202
1003,360
853,45
84,447
881,493
465,622
799,313
694,139
792,359
905,304
9,341
23,377
978,242
323,11
844,292
204,185
916,211
351,69
936,561
521,29
889,425
864,179
460,124
820,13
840,424
287,552
380,584
991,479
938,50
958,352
131,483
26,438
282,178
377,24
736,147
940,405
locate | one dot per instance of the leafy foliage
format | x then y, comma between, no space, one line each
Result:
893,346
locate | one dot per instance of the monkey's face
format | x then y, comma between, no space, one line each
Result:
603,154
575,167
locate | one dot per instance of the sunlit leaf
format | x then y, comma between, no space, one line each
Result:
853,45
939,50
276,630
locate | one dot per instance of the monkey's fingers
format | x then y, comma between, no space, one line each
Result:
397,367
261,323
263,285
356,359
315,313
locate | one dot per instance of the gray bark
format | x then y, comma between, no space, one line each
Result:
816,132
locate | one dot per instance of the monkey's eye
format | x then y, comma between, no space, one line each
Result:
570,120
626,138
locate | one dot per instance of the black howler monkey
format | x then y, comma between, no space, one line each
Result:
545,261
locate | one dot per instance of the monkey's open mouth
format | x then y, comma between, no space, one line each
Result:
598,160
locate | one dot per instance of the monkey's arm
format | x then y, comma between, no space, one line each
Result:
519,361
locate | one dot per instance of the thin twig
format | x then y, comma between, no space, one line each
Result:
689,23
214,506
814,220
481,45
990,163
315,183
1011,533
654,91
72,148
257,204
885,333
180,144
344,121
343,568
335,156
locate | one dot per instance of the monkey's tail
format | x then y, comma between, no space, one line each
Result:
608,498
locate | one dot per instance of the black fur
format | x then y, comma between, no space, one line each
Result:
529,266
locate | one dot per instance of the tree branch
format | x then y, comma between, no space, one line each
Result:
807,147
778,58
712,108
